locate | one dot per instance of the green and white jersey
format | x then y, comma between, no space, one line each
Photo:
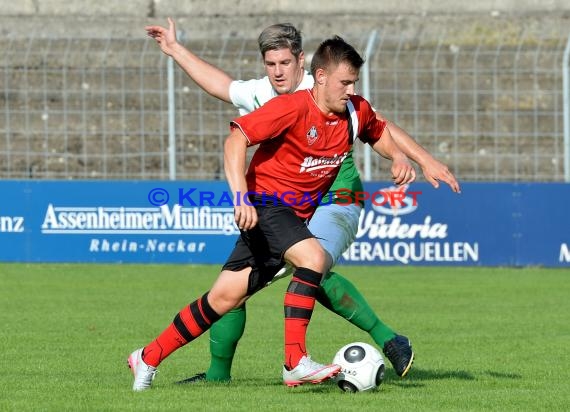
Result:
248,95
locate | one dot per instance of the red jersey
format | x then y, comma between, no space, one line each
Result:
300,147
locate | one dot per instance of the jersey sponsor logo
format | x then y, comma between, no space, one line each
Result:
311,163
312,135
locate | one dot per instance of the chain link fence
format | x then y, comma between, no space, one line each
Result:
490,106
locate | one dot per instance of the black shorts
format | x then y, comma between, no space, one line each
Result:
262,248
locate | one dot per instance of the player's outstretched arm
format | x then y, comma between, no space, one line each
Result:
402,170
211,79
433,170
235,148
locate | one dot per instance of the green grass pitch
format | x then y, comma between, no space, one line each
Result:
486,339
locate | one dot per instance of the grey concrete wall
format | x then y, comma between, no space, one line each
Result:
157,8
486,24
207,18
465,25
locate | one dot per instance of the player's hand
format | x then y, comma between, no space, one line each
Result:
435,171
402,171
166,38
245,216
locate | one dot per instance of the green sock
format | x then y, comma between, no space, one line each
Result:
224,336
337,294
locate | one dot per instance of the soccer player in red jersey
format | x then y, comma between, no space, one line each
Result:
303,138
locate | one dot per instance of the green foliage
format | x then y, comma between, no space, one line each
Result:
485,339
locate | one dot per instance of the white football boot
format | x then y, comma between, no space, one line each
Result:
308,371
144,374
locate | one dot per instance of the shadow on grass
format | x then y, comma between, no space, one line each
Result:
417,376
503,375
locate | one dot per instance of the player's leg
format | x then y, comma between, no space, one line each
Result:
224,337
223,346
310,261
229,291
287,236
226,332
336,226
339,295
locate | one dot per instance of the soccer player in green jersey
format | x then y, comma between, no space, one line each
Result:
334,225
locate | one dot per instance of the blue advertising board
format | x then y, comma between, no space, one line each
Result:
488,224
102,221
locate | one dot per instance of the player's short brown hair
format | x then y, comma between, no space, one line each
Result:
281,36
334,51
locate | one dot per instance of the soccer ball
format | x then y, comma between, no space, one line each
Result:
362,367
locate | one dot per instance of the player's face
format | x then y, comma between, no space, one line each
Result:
284,70
338,85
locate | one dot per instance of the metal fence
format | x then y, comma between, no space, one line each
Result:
491,107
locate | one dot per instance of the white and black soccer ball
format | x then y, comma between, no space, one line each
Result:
362,367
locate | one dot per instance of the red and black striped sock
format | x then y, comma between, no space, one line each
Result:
188,324
299,304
